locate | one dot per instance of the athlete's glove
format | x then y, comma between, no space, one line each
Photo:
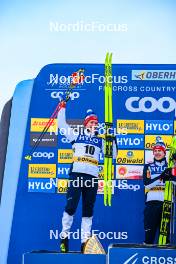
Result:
168,175
62,104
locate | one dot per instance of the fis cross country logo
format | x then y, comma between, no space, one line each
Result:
154,75
150,104
132,260
135,258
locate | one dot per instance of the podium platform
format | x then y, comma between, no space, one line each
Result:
55,258
141,254
117,254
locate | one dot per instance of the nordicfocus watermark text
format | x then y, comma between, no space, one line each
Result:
82,182
101,130
82,26
55,79
78,234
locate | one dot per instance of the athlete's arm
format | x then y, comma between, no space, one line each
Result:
65,129
148,182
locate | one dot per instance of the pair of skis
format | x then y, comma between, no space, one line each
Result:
109,137
167,213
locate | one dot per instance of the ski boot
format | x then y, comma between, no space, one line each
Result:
64,245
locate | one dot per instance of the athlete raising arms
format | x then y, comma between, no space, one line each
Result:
86,149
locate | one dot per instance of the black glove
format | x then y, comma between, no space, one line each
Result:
166,175
174,156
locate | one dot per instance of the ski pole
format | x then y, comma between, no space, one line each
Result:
54,114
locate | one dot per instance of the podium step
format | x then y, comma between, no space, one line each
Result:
60,258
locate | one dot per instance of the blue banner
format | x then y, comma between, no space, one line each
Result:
144,107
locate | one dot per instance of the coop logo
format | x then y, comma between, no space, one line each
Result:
123,185
47,155
154,75
135,258
59,95
150,104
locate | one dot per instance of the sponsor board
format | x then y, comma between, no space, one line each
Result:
42,171
42,185
130,141
38,124
62,185
153,75
43,155
150,140
159,127
65,156
129,172
150,104
127,185
46,141
131,126
130,157
63,171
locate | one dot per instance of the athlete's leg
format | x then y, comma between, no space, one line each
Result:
88,201
73,196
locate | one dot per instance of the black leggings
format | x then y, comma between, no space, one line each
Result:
152,220
88,193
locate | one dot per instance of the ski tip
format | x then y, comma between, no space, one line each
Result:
106,59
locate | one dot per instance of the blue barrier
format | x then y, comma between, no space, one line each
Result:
140,254
54,258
